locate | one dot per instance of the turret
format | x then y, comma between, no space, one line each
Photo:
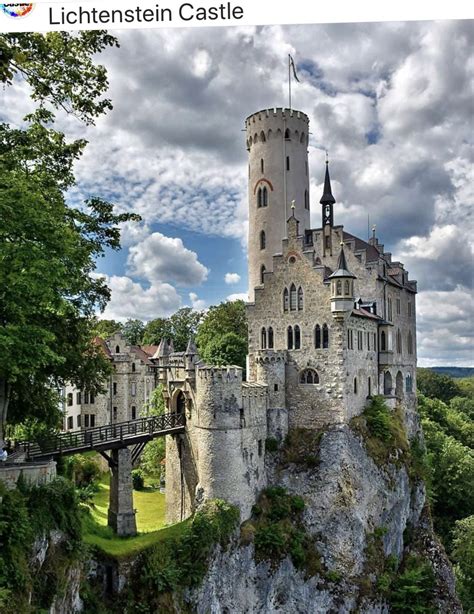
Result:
327,201
342,286
190,358
277,142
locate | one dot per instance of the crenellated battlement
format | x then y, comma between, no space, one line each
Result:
270,356
276,112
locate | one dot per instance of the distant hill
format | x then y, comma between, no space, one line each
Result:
454,371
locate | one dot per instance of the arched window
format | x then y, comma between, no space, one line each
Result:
264,197
409,383
399,385
270,338
303,136
325,336
300,298
287,163
410,342
289,336
306,199
262,165
262,239
293,298
180,403
262,273
286,299
259,197
387,383
347,290
297,338
263,340
369,387
287,134
317,337
262,137
355,385
383,341
339,288
117,349
309,376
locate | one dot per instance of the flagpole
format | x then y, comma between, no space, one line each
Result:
289,81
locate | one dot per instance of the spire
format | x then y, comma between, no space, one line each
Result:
327,198
191,349
162,349
342,269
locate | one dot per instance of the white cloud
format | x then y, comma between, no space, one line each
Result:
160,258
132,300
232,278
197,303
238,296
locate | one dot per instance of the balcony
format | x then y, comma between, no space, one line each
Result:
386,357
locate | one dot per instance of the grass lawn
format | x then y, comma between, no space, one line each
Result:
150,506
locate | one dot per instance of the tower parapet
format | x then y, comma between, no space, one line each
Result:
277,142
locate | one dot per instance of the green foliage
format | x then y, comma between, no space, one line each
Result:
180,561
133,330
152,457
454,418
463,556
228,349
271,444
27,513
301,446
229,317
106,328
277,530
180,327
383,433
156,330
436,386
81,469
411,591
138,479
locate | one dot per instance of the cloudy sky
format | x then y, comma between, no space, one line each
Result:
391,102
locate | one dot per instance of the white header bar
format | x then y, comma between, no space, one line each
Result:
47,15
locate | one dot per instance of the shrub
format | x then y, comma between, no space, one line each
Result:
82,470
411,590
377,416
138,479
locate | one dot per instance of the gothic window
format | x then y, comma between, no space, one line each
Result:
289,333
259,197
262,165
287,134
383,341
287,163
325,336
262,273
409,383
355,385
300,298
117,349
262,137
263,342
297,338
410,343
293,298
286,299
339,288
270,338
387,383
133,367
317,337
262,239
265,197
306,199
309,376
347,290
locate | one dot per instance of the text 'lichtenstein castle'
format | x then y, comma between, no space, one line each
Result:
331,321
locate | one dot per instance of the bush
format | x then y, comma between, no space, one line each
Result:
82,470
378,419
412,589
138,479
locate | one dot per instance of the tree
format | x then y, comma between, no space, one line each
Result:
156,330
436,386
48,293
229,317
463,555
184,324
106,328
228,349
132,330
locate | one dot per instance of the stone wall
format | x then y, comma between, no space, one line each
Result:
36,473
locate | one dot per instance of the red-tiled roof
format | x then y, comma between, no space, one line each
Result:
99,342
363,313
373,253
149,349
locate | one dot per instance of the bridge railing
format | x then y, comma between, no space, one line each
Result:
100,435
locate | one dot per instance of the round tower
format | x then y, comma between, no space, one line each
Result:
277,142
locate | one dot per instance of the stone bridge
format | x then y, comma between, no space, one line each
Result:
120,444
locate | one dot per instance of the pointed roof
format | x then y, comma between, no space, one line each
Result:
162,349
342,270
191,349
327,198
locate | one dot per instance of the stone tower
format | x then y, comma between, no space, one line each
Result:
277,142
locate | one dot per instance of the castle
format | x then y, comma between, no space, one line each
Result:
331,323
